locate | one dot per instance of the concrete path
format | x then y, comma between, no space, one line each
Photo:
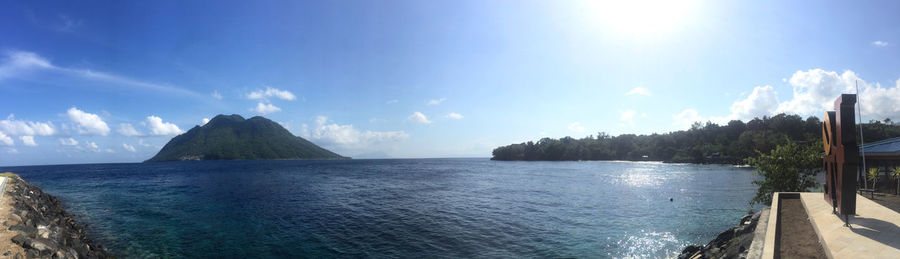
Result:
2,186
873,233
7,248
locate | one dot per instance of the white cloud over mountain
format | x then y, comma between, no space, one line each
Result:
265,108
264,94
814,92
576,127
762,101
159,128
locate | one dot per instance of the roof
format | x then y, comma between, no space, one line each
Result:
887,147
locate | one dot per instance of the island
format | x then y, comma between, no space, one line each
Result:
231,137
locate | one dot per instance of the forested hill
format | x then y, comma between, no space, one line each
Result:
703,143
231,137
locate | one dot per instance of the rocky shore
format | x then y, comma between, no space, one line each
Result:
732,243
41,228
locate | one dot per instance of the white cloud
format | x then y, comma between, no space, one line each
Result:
87,123
130,148
126,129
639,91
816,89
455,116
879,43
266,108
92,146
160,128
26,128
204,121
392,101
28,141
684,119
435,101
19,63
271,92
348,138
12,150
145,144
628,116
68,142
576,127
68,24
879,102
419,117
5,140
215,94
762,101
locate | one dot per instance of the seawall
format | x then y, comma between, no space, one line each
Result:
735,242
37,226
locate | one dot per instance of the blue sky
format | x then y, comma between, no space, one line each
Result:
114,81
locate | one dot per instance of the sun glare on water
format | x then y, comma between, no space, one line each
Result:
643,17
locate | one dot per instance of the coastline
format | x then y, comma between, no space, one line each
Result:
741,241
37,226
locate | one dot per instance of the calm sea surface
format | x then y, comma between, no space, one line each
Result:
422,208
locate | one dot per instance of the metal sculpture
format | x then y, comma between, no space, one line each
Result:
841,160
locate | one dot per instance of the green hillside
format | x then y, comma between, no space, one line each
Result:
235,138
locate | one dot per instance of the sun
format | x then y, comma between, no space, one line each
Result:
643,17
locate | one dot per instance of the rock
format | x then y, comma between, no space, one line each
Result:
25,229
7,253
20,240
746,219
689,251
44,229
731,243
44,246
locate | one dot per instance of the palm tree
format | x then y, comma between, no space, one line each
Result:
895,172
872,176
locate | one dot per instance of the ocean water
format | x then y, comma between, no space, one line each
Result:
415,208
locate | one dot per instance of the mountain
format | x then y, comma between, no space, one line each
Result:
231,137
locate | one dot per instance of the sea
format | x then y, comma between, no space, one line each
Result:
399,208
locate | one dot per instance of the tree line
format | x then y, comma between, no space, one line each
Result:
706,142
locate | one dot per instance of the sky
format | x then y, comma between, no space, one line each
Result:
112,81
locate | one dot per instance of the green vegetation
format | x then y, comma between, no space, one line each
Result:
232,137
872,175
702,143
788,168
895,174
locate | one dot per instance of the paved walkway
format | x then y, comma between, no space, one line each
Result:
7,247
873,233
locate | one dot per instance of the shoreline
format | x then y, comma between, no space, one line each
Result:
741,241
37,225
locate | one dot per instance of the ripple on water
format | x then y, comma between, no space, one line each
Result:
398,208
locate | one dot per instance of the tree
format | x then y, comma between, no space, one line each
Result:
895,173
872,176
787,168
